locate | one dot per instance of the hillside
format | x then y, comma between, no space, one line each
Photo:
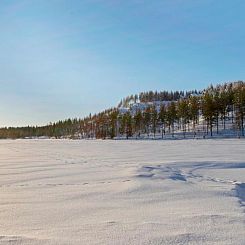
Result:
214,112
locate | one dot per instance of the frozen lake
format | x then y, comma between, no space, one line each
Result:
122,192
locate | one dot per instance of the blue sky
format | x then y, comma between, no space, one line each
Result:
66,58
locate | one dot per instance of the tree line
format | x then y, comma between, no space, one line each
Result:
212,111
151,96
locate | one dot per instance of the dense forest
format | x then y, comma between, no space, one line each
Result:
151,96
215,111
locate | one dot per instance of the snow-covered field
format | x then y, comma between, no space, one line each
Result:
122,192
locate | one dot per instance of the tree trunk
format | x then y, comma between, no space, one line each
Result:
211,128
217,120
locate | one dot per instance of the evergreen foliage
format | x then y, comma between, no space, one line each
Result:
185,112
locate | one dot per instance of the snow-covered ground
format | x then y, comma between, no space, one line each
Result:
122,192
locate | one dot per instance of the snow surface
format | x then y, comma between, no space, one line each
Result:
122,192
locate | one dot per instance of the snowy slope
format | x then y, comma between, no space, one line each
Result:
122,192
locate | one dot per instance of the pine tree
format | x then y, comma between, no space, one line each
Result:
154,117
162,118
171,116
194,111
208,110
